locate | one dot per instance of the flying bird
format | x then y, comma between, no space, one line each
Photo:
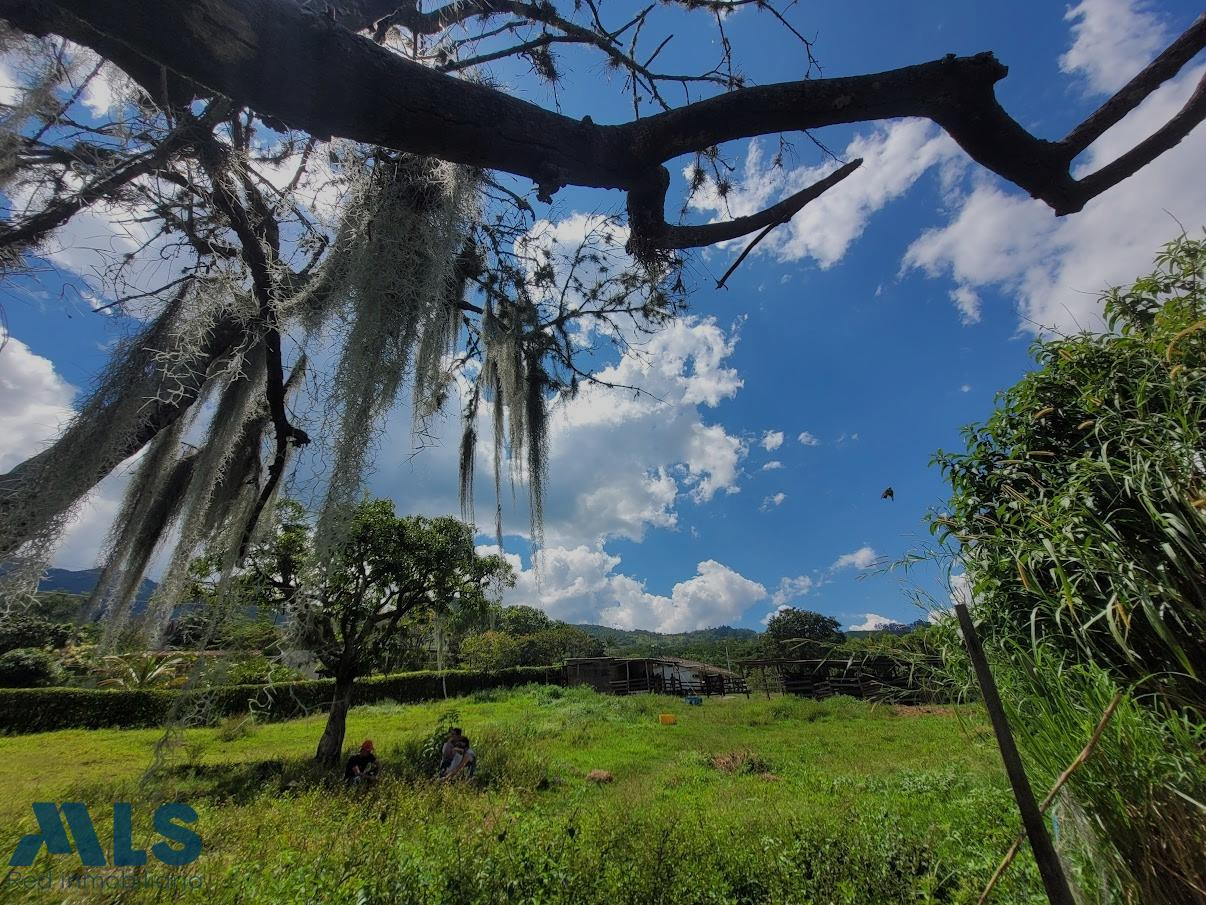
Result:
888,494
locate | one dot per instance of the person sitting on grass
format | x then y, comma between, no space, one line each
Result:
362,767
448,751
464,761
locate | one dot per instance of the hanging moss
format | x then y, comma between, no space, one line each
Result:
394,267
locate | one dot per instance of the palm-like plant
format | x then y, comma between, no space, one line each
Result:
139,671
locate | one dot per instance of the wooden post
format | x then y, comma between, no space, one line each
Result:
1049,867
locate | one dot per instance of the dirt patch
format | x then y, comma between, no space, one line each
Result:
740,761
922,710
599,776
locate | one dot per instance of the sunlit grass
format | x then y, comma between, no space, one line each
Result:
851,802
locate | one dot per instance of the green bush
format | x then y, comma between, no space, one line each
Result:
28,667
42,710
22,630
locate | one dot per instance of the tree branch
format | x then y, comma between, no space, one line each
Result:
309,72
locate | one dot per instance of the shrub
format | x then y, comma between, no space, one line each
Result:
36,710
28,668
236,727
21,630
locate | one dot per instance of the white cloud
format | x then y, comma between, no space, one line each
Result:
717,595
808,439
1055,267
871,622
791,589
35,403
772,440
968,303
965,388
619,463
770,502
581,584
862,558
1111,40
894,157
773,465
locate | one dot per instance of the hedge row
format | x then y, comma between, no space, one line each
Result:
25,710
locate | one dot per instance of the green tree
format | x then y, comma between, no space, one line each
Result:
490,650
1078,511
792,624
389,570
22,630
523,620
27,667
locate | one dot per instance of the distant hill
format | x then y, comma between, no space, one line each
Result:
721,646
624,638
84,580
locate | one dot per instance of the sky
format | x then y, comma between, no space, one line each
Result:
854,343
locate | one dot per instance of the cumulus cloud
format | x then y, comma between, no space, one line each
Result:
772,465
770,502
894,158
1055,267
808,439
965,388
791,589
772,440
1106,33
862,558
871,622
35,404
619,463
581,584
968,303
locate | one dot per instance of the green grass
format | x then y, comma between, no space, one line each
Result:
834,801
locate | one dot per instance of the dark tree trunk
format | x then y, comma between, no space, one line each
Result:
330,746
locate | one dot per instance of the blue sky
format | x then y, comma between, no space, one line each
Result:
858,340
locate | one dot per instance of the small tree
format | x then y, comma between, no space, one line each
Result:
27,667
523,620
489,651
792,624
389,571
21,630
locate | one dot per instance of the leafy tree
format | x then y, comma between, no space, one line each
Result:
523,620
1078,511
28,668
490,651
793,624
388,570
21,630
58,606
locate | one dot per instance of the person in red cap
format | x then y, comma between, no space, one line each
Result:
362,767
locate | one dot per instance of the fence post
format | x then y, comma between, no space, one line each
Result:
1049,867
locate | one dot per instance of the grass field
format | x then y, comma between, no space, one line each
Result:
785,800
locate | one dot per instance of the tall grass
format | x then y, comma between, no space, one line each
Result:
1079,510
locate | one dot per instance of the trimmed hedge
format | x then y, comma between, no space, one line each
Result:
24,710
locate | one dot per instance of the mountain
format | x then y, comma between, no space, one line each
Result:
84,580
719,646
623,638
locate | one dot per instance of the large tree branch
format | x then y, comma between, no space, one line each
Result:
32,229
306,70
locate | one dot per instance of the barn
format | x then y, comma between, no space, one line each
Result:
657,675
